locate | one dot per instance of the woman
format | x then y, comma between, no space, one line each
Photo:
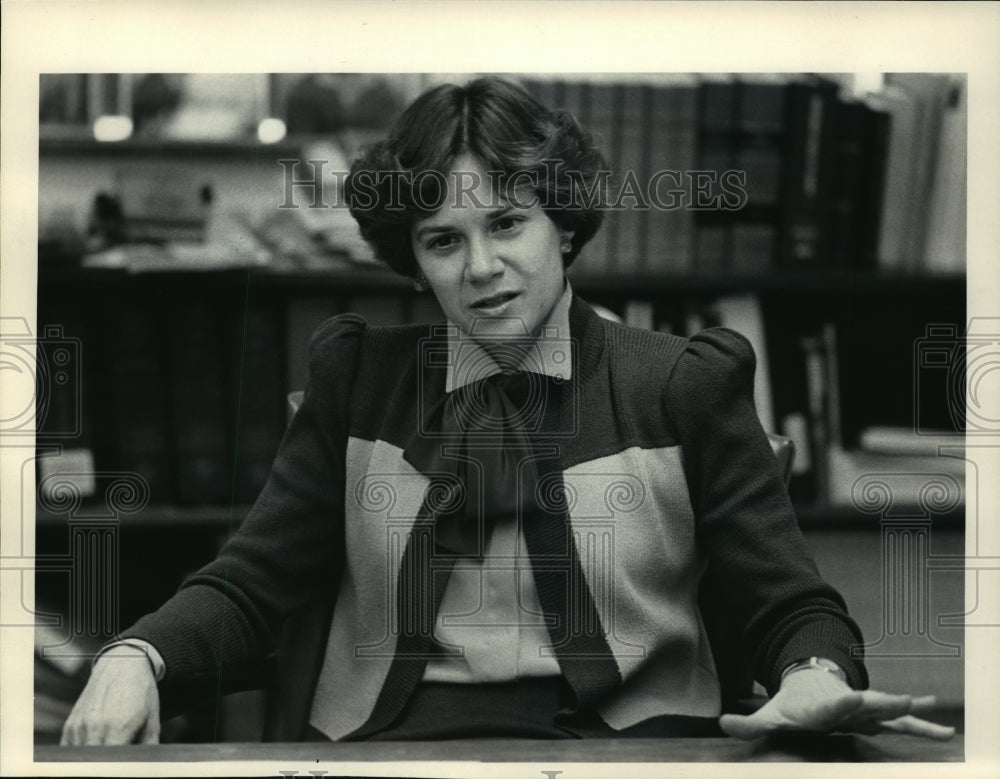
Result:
509,516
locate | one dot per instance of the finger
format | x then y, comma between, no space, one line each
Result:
92,734
120,734
915,726
68,738
151,733
883,706
744,726
924,703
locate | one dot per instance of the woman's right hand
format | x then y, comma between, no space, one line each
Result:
119,705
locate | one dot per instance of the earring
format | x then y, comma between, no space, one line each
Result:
566,245
420,283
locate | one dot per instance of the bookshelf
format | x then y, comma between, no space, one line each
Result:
291,303
844,252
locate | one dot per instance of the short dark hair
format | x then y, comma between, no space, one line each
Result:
508,130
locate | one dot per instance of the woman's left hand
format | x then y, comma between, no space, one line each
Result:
814,700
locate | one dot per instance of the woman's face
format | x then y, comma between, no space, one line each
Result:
494,266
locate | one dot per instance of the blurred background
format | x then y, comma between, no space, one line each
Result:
191,238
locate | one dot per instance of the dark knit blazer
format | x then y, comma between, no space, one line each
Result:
660,479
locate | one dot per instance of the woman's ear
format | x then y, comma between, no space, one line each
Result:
566,242
420,283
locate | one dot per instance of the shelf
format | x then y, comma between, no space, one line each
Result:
214,518
374,278
82,144
218,518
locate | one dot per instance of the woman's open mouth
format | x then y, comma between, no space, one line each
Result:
495,304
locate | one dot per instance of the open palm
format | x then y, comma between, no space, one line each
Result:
818,701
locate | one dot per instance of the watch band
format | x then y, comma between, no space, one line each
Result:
819,663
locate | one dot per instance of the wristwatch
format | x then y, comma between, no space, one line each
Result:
819,663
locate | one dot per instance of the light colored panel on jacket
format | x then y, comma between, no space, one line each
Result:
383,494
634,530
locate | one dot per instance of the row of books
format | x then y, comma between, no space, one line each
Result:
189,393
851,413
190,396
830,180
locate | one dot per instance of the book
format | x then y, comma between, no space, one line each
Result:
759,155
906,475
894,226
743,314
631,206
892,440
140,377
802,223
199,413
859,158
606,112
791,397
256,397
929,92
814,357
597,256
576,100
871,191
672,152
639,314
947,219
717,124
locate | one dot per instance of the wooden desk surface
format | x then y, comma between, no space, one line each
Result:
785,748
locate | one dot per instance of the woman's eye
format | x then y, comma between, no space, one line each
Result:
442,242
506,224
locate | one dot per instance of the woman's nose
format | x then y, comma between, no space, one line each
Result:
482,262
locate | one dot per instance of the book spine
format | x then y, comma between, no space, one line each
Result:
716,130
139,404
946,223
791,398
640,314
257,394
672,141
202,465
929,93
743,314
758,155
844,214
631,208
899,173
599,255
816,384
871,194
802,238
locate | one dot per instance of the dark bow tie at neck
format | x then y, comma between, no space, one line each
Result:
477,438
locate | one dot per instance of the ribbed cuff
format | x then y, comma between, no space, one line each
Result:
820,636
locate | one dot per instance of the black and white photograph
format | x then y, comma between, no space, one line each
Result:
531,413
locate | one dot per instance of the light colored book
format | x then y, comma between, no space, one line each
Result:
905,441
855,476
743,314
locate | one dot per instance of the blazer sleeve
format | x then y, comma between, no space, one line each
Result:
226,616
746,522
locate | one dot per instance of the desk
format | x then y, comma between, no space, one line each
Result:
888,747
